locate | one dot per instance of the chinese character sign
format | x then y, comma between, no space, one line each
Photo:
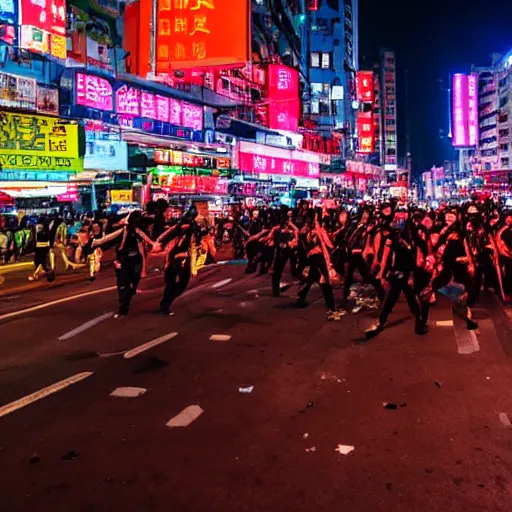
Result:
93,91
44,26
460,110
128,100
193,33
283,83
366,133
364,86
473,109
192,116
38,142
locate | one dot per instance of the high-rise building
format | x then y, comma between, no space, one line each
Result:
389,110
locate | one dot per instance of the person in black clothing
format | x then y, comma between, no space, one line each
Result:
128,262
340,243
397,264
285,243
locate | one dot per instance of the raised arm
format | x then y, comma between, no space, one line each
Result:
107,238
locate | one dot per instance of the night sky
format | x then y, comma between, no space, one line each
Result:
432,39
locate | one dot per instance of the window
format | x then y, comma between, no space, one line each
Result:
315,60
316,89
326,60
326,90
315,107
504,147
325,107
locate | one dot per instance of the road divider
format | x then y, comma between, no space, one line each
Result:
43,393
149,345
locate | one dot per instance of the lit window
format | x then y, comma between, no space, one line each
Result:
315,60
326,60
316,89
315,107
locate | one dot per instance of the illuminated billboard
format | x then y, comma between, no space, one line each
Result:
366,132
201,33
283,97
43,27
364,86
464,110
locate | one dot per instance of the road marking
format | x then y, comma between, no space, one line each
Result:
128,392
467,342
150,344
220,337
222,283
43,393
185,417
85,326
55,302
444,323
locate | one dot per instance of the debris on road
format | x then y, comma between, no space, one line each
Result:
128,392
310,404
311,449
329,377
220,337
344,449
34,459
390,406
505,420
248,389
70,455
437,383
185,417
305,436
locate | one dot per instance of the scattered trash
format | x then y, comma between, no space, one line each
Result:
153,363
329,377
488,378
437,383
344,449
70,455
429,471
403,405
310,404
305,436
248,389
311,449
128,392
185,417
388,405
356,309
481,485
34,459
505,420
220,337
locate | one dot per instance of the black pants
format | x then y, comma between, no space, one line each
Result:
399,282
317,269
177,277
422,279
128,278
460,276
281,257
356,262
340,260
506,265
253,250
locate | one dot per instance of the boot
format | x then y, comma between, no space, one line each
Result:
373,331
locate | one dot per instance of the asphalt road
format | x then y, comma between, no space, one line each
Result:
315,386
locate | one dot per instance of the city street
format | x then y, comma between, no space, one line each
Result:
279,391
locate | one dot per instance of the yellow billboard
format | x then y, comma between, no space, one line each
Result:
121,196
38,142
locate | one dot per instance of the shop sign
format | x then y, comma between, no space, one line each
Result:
364,86
43,26
171,157
275,165
17,92
121,196
47,100
106,155
39,143
93,91
70,196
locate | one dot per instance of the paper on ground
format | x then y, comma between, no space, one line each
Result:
128,392
220,337
185,417
344,449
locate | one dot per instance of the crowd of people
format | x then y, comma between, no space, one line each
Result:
393,248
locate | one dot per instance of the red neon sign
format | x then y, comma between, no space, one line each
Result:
193,33
366,132
364,86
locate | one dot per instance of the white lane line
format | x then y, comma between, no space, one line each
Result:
185,417
55,302
220,337
128,392
444,323
85,326
222,283
43,393
150,344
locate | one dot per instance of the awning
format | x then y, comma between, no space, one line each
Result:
6,199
